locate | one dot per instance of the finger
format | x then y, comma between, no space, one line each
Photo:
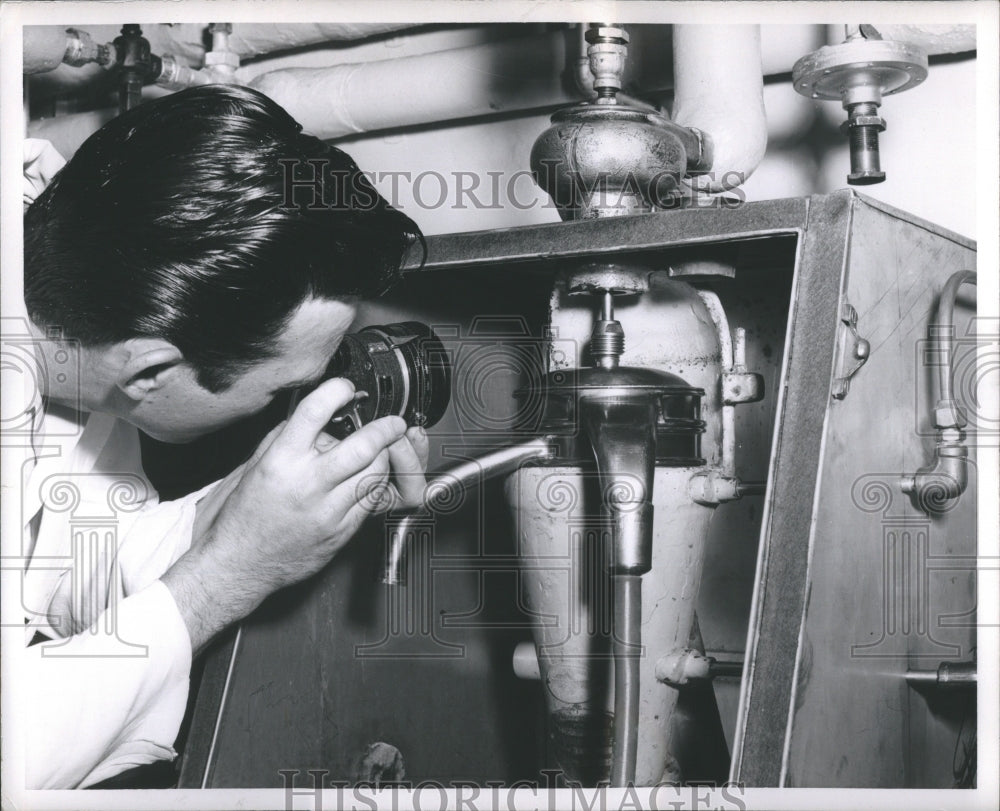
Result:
266,443
365,486
407,471
313,413
421,443
361,448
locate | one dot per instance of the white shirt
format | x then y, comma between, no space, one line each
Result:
109,692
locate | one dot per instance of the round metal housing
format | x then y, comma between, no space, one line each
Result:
678,406
607,160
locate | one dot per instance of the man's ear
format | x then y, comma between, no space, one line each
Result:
146,365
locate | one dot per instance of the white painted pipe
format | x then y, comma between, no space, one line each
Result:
718,314
718,89
932,39
501,77
343,100
186,40
44,47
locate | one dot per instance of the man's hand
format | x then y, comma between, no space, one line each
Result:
290,508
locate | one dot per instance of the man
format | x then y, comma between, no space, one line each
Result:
191,282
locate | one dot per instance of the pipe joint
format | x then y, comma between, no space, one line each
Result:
933,488
681,666
711,488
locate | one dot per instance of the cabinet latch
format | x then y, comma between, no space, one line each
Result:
852,351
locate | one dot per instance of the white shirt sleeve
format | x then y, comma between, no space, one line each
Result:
155,538
109,698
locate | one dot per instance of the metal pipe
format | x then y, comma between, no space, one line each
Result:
947,477
948,674
719,90
331,102
718,314
337,101
176,76
622,433
460,478
46,47
249,40
626,650
944,337
933,39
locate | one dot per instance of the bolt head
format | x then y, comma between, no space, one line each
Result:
949,415
864,121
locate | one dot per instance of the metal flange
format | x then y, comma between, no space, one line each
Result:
860,70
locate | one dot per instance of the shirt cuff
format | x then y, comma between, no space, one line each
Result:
111,697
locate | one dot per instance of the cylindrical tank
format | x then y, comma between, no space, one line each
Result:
562,541
563,536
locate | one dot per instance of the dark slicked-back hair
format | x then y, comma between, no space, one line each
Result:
194,218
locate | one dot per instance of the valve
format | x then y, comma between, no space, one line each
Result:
136,62
858,73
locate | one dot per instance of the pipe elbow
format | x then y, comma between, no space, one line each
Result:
937,487
719,90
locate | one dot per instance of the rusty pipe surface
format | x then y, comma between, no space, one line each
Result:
448,485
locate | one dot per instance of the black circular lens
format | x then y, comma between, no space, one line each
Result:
427,369
403,370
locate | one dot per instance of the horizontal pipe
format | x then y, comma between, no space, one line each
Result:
187,40
460,478
501,77
932,39
44,47
523,74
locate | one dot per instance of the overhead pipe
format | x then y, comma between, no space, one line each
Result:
46,47
934,40
719,90
524,73
186,41
354,98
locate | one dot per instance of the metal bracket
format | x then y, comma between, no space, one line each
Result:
739,385
852,351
